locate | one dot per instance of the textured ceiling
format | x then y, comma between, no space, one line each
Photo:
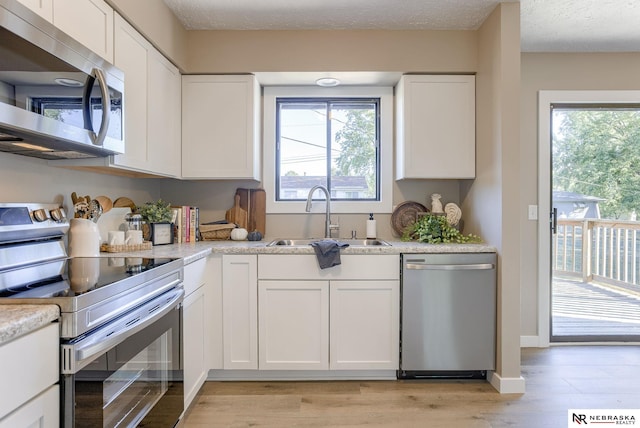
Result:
546,25
580,25
331,14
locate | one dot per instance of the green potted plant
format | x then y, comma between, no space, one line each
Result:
434,229
157,216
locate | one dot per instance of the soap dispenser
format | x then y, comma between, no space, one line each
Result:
371,227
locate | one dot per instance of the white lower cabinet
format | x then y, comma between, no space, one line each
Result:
293,320
343,318
364,320
240,311
40,412
196,325
30,373
193,328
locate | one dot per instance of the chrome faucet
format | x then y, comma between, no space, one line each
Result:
328,227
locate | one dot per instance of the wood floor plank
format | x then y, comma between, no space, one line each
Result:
557,379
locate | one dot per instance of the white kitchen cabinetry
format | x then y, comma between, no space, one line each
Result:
44,8
195,328
152,100
361,314
240,311
29,373
435,127
220,127
88,21
293,319
364,323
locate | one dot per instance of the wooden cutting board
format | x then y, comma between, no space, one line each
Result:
254,201
236,214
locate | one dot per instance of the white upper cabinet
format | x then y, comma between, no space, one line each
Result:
88,21
435,127
44,8
220,127
152,105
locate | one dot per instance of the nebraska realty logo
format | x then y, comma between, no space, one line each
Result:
581,417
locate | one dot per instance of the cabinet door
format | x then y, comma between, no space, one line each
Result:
293,325
220,127
436,126
240,311
42,411
88,21
195,372
164,111
30,365
44,8
131,56
364,324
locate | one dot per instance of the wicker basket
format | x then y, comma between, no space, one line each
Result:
106,248
216,232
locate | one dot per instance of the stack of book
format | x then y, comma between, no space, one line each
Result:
187,224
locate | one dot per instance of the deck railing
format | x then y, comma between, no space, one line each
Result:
603,250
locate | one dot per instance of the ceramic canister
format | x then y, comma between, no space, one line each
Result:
84,238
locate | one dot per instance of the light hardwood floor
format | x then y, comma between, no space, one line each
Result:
557,379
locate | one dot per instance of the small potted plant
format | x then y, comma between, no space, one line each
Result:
158,227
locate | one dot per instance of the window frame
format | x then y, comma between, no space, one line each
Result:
385,173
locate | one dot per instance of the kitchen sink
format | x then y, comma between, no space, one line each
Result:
303,242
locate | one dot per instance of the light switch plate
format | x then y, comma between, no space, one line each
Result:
533,212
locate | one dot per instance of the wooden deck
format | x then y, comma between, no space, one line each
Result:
593,312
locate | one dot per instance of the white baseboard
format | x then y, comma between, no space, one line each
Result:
300,375
507,385
530,342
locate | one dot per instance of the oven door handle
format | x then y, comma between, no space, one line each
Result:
78,354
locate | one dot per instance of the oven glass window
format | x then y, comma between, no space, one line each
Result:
137,385
137,382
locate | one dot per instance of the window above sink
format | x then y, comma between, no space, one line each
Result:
376,101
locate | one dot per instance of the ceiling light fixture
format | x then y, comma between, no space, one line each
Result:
327,82
65,81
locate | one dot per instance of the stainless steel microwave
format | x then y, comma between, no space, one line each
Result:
58,100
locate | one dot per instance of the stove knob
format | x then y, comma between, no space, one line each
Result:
40,215
58,215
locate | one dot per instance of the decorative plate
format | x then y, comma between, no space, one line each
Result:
405,214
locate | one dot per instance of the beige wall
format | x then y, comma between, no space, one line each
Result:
262,51
552,71
492,198
24,179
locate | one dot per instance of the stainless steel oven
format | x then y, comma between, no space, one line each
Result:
121,321
137,382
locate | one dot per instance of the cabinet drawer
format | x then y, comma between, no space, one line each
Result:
194,275
30,364
305,266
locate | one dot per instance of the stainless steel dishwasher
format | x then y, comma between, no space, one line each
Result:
448,315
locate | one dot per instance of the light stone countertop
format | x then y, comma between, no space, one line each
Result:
191,252
18,320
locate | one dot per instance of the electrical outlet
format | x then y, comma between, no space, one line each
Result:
533,212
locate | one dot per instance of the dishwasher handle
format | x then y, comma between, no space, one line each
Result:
423,266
